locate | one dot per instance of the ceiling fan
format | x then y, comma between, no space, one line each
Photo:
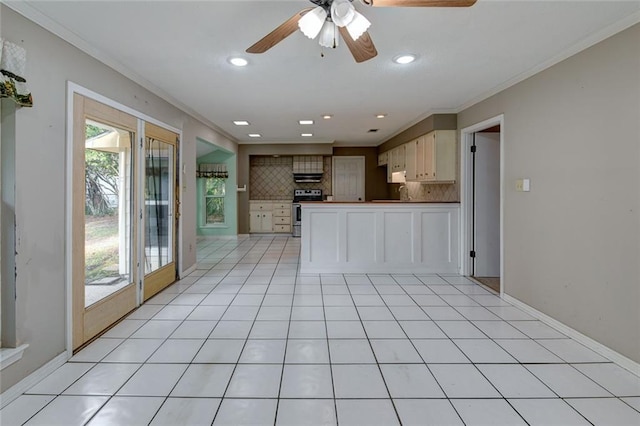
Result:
330,17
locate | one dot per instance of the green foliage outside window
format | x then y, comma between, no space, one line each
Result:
214,192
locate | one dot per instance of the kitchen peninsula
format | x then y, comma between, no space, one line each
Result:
389,237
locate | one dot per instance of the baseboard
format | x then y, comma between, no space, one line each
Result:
595,346
23,385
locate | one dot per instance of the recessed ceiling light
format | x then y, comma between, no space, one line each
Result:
327,116
241,122
381,115
306,135
238,62
255,135
404,59
305,122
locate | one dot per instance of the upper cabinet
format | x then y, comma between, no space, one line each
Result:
439,156
383,158
429,158
396,164
397,159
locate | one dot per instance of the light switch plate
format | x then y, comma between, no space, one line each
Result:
523,185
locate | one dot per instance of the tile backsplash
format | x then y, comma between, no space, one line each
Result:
271,178
430,192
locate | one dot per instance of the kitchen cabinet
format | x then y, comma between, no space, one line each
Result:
432,157
398,159
396,165
281,219
269,216
411,160
429,158
440,156
383,159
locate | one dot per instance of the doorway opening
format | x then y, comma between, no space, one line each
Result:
482,202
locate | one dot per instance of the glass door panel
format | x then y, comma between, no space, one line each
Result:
108,210
158,212
159,204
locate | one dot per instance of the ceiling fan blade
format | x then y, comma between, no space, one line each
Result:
419,3
362,49
276,36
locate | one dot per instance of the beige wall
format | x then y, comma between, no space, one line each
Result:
41,173
572,244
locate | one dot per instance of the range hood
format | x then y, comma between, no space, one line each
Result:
307,168
307,177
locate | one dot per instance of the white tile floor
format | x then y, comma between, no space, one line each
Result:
246,339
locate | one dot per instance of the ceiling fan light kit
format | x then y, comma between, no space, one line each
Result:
331,16
311,23
358,26
342,12
329,35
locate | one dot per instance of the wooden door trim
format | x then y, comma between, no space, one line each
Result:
157,280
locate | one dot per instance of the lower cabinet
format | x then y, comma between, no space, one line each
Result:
261,222
270,216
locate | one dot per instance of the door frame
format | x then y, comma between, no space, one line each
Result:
466,195
73,89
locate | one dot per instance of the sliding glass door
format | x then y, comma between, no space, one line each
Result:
123,219
160,220
103,271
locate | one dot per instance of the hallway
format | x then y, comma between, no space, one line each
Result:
245,339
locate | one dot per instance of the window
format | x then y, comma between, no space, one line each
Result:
214,192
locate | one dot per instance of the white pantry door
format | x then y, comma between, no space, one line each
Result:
348,178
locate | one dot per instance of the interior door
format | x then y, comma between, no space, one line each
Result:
348,178
487,205
103,225
160,209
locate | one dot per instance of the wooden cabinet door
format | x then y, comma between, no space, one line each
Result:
267,221
411,160
445,155
255,221
420,160
430,156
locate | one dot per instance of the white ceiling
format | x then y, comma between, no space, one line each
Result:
180,50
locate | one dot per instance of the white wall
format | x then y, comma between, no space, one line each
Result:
572,244
40,179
